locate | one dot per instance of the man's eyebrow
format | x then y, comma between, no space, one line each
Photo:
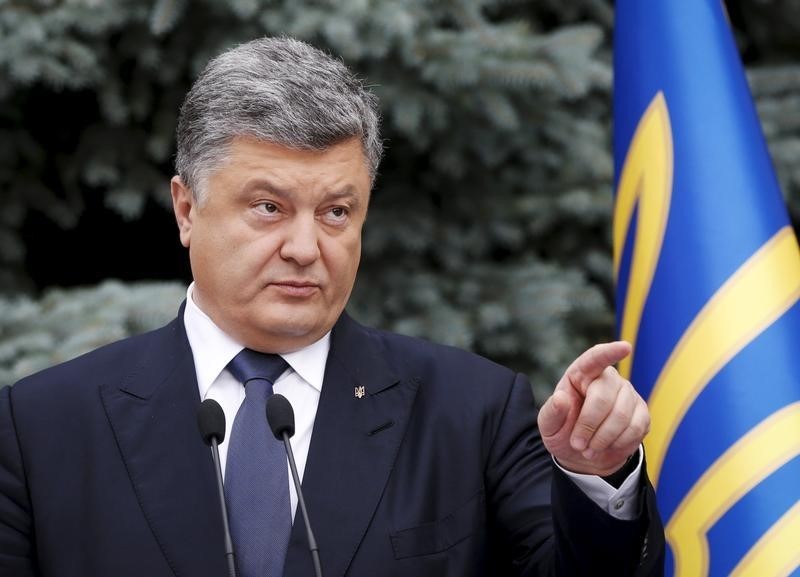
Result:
348,192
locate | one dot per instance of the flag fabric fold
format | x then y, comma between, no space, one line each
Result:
708,278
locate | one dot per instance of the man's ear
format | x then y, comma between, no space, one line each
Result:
183,203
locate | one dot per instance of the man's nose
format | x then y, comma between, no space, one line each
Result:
301,244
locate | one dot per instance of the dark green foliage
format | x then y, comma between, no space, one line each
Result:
489,226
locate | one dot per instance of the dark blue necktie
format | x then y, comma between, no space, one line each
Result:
256,480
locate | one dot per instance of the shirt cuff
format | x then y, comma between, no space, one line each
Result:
622,503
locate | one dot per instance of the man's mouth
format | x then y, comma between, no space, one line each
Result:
296,288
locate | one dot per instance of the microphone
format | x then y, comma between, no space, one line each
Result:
280,417
211,421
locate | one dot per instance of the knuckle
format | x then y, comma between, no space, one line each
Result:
594,353
586,427
574,375
619,415
638,429
601,401
621,444
604,438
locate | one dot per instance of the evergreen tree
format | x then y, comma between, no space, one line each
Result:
489,226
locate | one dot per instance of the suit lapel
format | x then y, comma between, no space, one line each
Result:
353,447
153,415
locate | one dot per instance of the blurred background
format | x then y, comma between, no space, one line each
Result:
490,223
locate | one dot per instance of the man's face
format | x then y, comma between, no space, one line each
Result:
275,243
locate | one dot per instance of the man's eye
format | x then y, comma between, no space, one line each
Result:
337,214
268,207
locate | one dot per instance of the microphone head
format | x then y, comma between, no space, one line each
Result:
211,421
280,416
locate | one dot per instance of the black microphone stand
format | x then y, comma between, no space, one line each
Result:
280,417
228,542
312,543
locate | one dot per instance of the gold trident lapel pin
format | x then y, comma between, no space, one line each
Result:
359,392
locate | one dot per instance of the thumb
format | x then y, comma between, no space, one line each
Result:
553,414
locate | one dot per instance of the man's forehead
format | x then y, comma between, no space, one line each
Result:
341,170
350,150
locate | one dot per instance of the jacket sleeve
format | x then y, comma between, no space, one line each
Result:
17,548
542,524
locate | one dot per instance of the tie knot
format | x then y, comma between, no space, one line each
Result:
251,365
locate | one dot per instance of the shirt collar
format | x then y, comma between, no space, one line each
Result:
213,349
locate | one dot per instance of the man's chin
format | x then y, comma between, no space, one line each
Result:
297,330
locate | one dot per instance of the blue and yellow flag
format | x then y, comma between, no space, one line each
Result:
708,279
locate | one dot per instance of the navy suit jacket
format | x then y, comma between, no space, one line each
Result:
437,470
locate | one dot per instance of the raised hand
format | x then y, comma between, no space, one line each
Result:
595,419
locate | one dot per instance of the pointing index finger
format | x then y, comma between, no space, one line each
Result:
593,362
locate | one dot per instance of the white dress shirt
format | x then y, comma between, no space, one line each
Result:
301,384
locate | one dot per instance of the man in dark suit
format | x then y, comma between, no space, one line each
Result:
417,459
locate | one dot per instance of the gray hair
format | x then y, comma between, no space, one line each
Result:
278,90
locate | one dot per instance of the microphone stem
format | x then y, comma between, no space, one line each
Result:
228,543
312,543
